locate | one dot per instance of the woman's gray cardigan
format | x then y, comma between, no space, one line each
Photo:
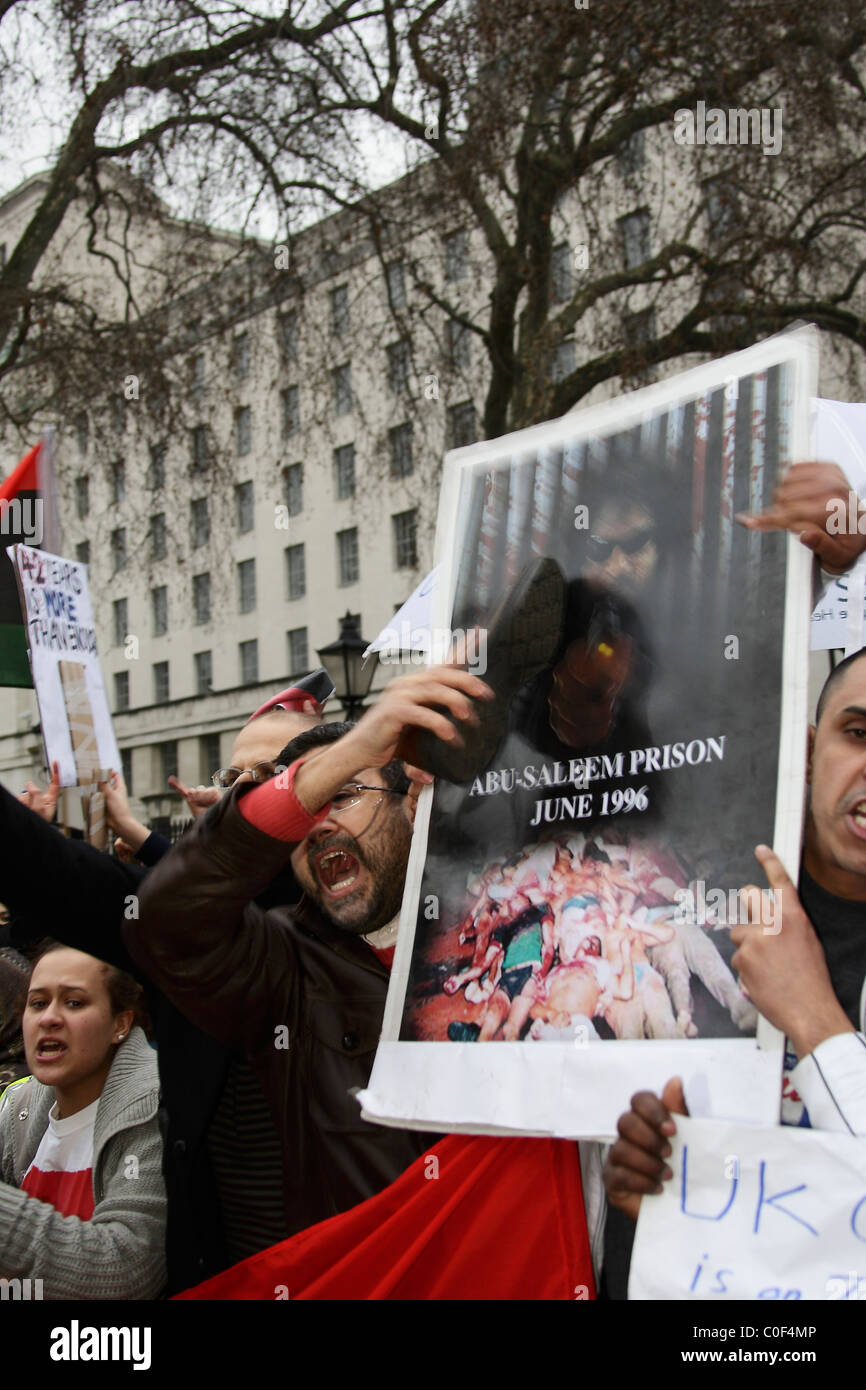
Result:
120,1252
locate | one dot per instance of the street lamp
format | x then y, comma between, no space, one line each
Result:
344,659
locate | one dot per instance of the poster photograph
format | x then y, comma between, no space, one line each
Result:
565,930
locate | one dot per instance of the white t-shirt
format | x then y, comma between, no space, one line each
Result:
62,1169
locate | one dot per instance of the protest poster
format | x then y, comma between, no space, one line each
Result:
776,1214
569,899
73,708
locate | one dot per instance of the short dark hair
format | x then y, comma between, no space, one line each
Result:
835,675
392,773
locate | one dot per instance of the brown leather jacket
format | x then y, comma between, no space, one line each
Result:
246,975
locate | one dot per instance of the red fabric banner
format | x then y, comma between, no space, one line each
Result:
475,1218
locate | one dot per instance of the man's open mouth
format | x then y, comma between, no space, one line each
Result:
49,1049
858,815
338,871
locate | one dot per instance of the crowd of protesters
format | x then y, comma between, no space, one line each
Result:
183,1029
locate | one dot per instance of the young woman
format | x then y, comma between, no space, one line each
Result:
82,1200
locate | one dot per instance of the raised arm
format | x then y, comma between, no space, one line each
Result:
64,888
200,936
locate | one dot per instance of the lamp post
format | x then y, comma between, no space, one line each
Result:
344,659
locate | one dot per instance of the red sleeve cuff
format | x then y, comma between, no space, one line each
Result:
274,809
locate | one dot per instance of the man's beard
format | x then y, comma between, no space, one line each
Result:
378,900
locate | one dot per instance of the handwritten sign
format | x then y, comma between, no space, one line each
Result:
73,708
772,1214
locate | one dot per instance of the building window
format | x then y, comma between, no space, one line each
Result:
156,471
82,552
244,504
168,764
561,277
397,284
246,586
118,482
199,514
243,430
720,205
630,155
564,360
117,413
200,450
339,299
400,447
299,651
293,488
461,425
347,556
158,543
634,230
201,599
344,471
159,610
82,432
296,571
82,497
209,757
120,612
459,344
160,682
126,767
341,379
404,526
288,332
203,662
118,549
197,373
249,655
639,331
398,366
241,355
121,691
291,398
455,256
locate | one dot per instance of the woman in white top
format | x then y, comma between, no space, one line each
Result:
82,1200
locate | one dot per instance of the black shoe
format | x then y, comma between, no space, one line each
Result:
458,1031
522,638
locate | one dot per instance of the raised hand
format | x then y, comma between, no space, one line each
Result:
44,803
811,501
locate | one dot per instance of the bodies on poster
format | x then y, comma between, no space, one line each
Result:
61,636
568,906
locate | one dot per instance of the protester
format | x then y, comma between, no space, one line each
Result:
85,897
82,1199
300,706
301,991
14,970
807,979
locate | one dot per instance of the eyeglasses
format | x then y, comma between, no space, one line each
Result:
352,794
599,549
259,772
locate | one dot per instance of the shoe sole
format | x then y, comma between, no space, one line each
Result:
523,635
